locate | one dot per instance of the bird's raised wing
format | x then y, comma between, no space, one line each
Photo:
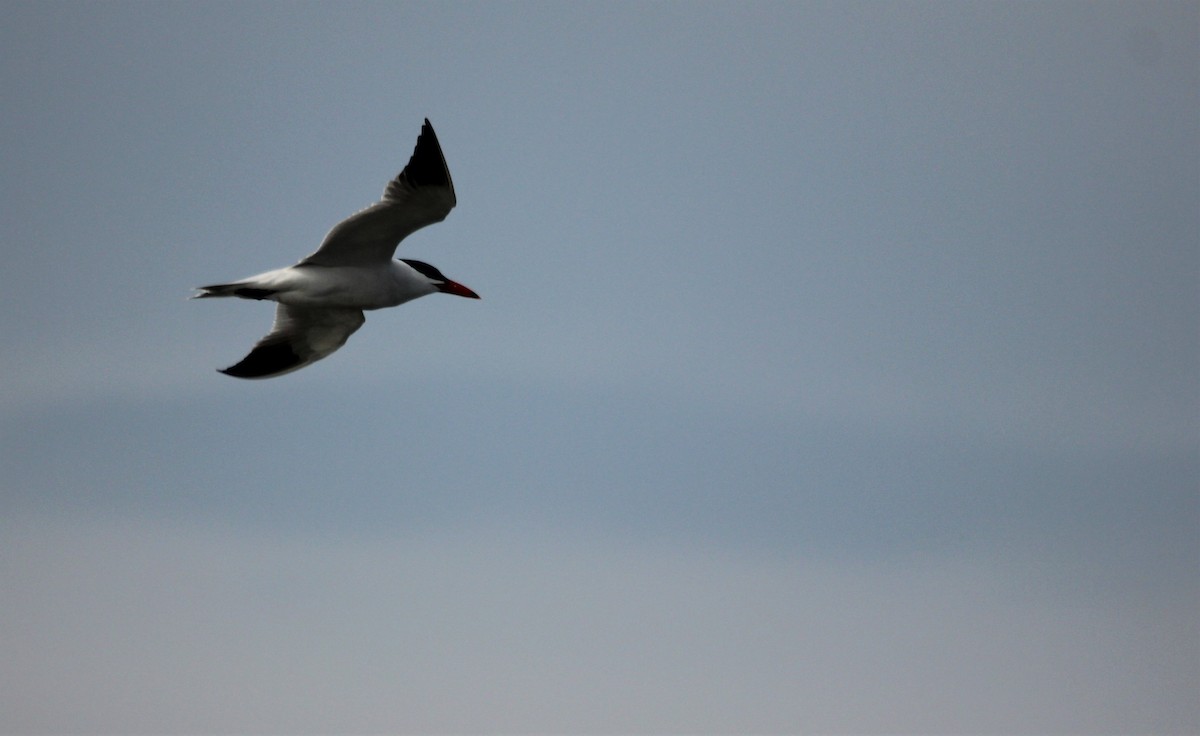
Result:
421,195
299,337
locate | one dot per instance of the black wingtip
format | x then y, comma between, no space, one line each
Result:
427,166
265,361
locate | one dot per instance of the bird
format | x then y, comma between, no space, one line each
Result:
321,299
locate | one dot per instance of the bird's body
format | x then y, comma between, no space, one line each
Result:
321,299
356,287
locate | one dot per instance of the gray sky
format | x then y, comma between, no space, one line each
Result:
837,369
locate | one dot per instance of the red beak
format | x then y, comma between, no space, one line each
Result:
457,289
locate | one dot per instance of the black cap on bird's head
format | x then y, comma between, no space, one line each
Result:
440,282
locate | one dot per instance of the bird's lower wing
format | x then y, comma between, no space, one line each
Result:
299,337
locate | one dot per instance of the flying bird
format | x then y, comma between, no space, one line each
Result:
321,299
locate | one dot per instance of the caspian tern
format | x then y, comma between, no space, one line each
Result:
322,298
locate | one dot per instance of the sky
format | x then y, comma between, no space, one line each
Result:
837,370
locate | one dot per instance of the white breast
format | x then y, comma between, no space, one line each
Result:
353,287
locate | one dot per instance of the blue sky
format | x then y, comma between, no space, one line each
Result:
837,369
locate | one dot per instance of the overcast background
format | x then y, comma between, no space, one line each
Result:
837,369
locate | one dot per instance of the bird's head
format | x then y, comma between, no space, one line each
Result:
438,280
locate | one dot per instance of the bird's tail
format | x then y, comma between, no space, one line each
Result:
238,290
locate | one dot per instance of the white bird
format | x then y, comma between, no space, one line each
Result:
322,298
